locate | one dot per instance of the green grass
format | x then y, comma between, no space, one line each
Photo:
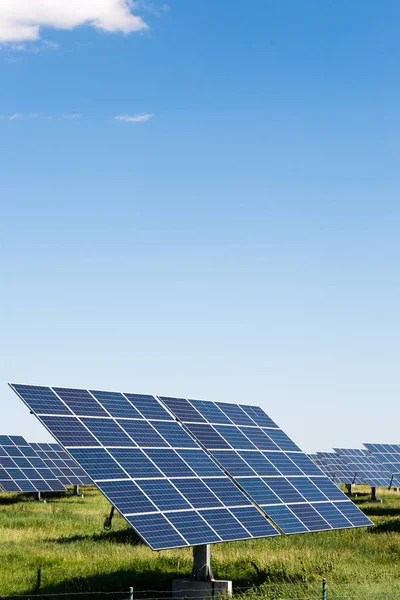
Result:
65,539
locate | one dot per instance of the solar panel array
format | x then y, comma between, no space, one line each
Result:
61,464
389,457
267,464
367,469
166,476
146,464
22,470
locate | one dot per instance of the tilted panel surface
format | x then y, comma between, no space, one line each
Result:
268,465
22,470
155,474
389,457
368,470
61,464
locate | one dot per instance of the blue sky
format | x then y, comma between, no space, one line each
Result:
241,243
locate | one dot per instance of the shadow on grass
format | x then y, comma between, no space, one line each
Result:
118,582
154,583
386,527
125,536
6,500
380,510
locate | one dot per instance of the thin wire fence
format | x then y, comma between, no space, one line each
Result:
316,591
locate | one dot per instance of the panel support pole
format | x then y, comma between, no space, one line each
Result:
108,520
349,489
373,495
76,491
202,563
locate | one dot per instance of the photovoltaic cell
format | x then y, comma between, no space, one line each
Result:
333,516
169,462
199,462
286,520
193,528
116,404
150,467
135,462
80,402
253,521
225,524
353,514
198,494
310,517
210,412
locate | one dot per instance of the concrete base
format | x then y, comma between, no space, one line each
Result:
196,590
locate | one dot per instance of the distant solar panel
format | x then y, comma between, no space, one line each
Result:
267,464
388,456
368,470
148,466
61,464
22,470
335,467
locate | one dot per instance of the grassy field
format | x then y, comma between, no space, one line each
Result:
65,539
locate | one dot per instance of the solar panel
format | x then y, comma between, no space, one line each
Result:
22,470
368,470
148,466
267,464
62,465
388,456
334,466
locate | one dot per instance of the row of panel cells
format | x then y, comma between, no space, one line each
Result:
107,432
149,495
383,448
117,463
159,533
28,481
300,518
64,473
15,452
202,411
278,490
22,485
247,463
226,436
210,526
66,401
149,463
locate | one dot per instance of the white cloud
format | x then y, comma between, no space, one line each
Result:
51,45
72,117
140,118
65,117
22,20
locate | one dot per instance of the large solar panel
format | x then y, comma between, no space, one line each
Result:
389,457
268,465
61,464
335,467
22,470
155,474
368,470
